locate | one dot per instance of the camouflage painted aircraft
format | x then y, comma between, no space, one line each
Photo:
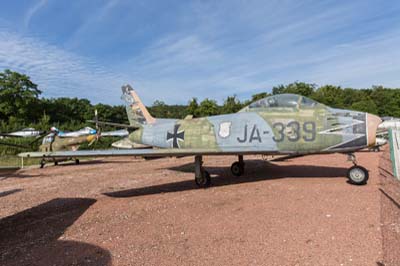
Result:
57,141
286,124
54,142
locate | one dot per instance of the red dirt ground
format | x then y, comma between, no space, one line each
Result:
126,211
390,212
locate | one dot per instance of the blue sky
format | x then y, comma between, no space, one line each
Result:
176,50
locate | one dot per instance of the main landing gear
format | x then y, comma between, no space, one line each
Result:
42,163
237,168
357,175
202,177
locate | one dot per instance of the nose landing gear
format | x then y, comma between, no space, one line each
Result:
356,174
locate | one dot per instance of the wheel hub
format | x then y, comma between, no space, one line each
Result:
357,174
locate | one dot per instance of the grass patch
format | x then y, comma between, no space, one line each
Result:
7,161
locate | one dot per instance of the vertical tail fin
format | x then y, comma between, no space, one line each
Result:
137,112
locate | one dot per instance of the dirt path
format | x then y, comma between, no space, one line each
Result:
131,212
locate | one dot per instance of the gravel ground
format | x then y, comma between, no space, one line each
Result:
390,212
126,211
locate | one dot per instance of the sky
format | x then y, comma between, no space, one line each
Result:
175,50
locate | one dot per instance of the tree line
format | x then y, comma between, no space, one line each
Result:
21,105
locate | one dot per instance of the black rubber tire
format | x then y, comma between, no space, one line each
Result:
204,181
55,163
237,169
357,175
42,163
76,161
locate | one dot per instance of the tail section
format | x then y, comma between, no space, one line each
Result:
137,112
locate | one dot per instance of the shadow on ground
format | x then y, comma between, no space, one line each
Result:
9,192
31,236
221,176
395,203
89,162
17,174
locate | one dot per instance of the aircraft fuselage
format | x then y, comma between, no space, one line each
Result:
277,130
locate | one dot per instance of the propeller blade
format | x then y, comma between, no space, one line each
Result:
96,118
91,143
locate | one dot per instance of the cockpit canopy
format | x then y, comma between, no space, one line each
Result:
291,101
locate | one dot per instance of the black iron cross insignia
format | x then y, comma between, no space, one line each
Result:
177,135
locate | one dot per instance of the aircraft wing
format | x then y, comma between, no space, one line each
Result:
115,133
133,152
9,135
112,124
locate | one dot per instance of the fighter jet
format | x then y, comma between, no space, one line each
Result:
379,142
285,124
24,133
382,134
393,123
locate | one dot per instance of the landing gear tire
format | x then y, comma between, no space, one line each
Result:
42,163
203,181
76,161
55,163
237,169
358,175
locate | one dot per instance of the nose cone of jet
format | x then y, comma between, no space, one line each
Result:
373,122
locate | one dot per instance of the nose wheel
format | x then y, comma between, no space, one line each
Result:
356,174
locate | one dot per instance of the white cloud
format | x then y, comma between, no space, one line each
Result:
322,44
93,17
58,72
33,10
214,49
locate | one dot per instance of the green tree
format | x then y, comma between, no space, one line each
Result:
193,107
300,88
231,105
18,96
365,106
44,122
330,95
386,100
208,107
258,96
159,109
